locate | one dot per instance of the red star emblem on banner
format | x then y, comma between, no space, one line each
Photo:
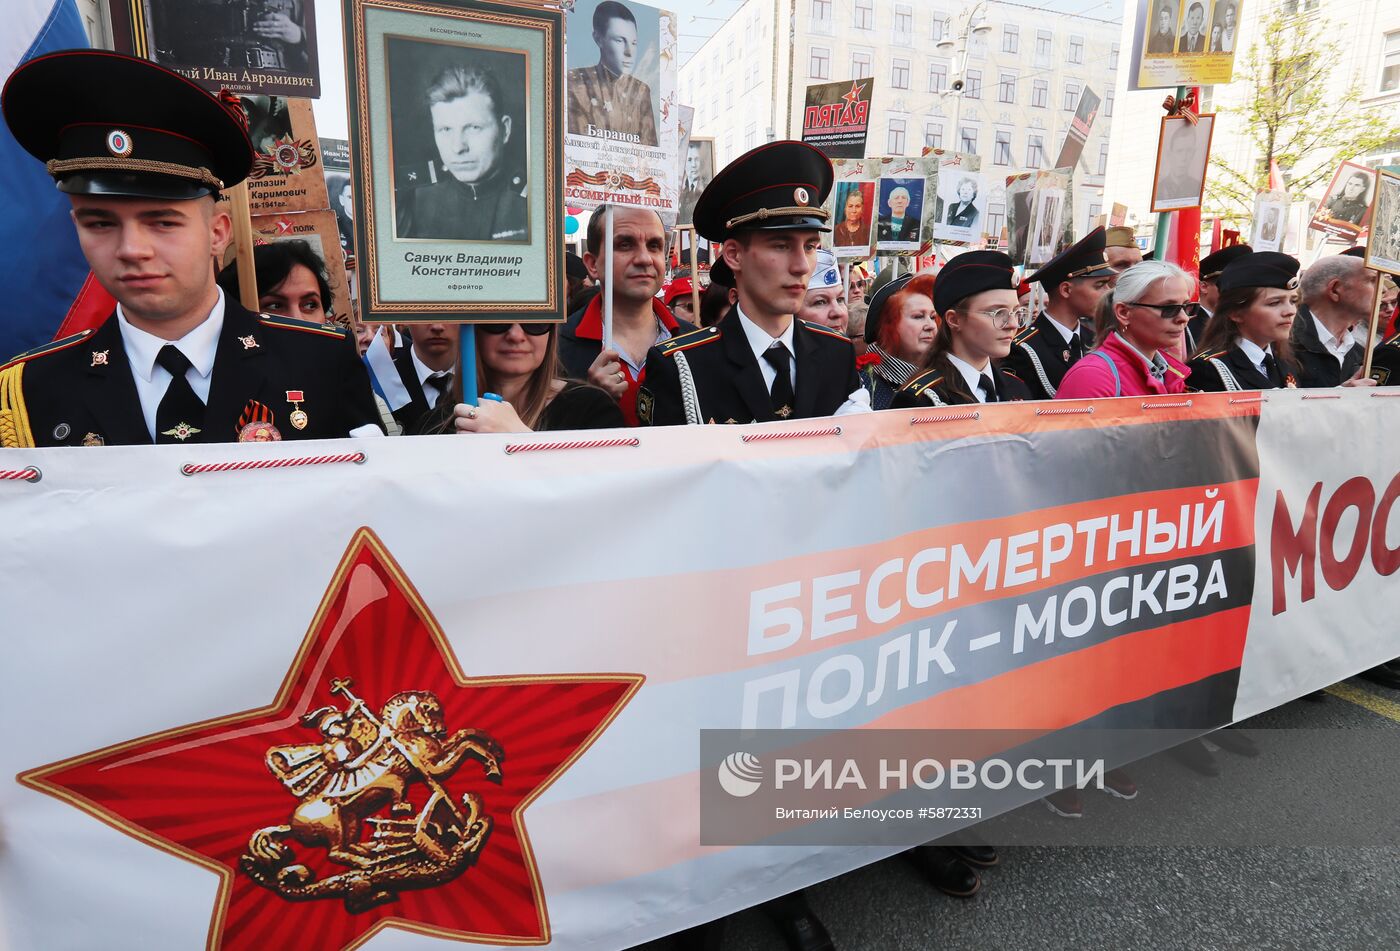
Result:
853,97
381,787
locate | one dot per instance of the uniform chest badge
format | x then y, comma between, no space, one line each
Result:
93,439
181,431
99,358
259,431
297,416
1290,381
249,342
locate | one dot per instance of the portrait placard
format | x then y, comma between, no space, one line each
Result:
698,169
457,159
906,204
1345,210
620,142
287,175
1184,43
852,206
1079,128
836,117
1183,150
1383,247
318,229
263,47
1270,227
962,203
1048,209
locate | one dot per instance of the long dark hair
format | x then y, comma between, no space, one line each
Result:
1223,331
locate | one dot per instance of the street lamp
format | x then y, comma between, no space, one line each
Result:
958,46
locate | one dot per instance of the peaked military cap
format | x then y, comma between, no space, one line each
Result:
1260,269
780,186
1084,258
973,272
1213,264
109,124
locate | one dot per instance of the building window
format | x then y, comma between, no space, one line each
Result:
937,77
1108,104
750,135
967,140
821,10
1076,49
865,15
1299,6
1040,93
729,97
1095,212
973,88
860,65
819,66
1035,151
1390,63
1113,57
1044,41
1071,96
996,219
899,74
903,22
1006,88
1103,159
933,135
1003,148
1010,39
895,140
940,27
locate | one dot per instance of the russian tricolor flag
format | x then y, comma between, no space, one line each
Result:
41,267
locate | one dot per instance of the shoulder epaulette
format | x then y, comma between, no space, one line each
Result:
923,381
1026,334
1006,372
306,326
51,347
1213,356
1392,342
686,341
824,329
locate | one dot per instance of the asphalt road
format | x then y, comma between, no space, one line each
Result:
1199,896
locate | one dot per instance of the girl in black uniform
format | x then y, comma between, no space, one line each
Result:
1246,343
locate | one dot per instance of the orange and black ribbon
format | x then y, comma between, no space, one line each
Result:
254,412
1185,107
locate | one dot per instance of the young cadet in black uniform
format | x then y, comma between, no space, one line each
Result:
1075,281
1211,267
978,316
759,363
142,153
1246,344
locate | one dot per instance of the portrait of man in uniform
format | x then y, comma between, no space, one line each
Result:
1163,37
262,37
607,100
457,142
699,169
1181,163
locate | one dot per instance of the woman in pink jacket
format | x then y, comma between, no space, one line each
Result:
1151,306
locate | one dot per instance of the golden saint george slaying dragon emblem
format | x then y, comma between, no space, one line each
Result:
362,777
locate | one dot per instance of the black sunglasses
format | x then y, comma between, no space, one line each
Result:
534,330
1169,311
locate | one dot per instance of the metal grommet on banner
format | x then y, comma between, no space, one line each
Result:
1180,404
27,474
193,469
945,417
519,447
794,434
1066,411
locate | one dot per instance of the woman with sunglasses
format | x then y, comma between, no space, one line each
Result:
1151,306
978,316
1246,343
899,332
520,364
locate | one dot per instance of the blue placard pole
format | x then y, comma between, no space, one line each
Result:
466,364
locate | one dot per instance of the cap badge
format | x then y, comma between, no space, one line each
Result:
1292,283
119,143
800,196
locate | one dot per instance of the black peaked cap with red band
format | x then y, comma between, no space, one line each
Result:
972,272
110,124
780,186
1084,258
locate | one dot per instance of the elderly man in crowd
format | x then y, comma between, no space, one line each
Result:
1337,293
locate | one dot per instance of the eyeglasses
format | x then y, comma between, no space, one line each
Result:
1169,311
534,330
1004,317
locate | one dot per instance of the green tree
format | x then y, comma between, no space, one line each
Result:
1292,114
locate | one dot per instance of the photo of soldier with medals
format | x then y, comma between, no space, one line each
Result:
608,99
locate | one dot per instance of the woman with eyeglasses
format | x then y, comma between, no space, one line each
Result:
978,316
899,331
520,364
1246,343
1151,306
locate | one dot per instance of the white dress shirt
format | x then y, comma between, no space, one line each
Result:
1337,346
1255,354
973,376
759,341
1065,332
198,346
432,392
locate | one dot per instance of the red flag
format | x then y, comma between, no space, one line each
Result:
1275,176
92,306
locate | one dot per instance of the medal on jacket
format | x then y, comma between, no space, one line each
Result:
297,417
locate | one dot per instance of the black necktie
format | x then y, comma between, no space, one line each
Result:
1076,348
442,379
1271,370
180,415
988,388
780,396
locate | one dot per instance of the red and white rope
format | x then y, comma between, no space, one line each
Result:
1382,395
1322,396
27,474
1066,411
514,448
193,468
1179,404
1249,399
945,417
792,434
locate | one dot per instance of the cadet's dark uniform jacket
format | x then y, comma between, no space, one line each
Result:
494,209
1231,370
1317,367
1040,358
945,386
1385,362
80,391
730,384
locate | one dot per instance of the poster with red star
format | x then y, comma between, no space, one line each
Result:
836,117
